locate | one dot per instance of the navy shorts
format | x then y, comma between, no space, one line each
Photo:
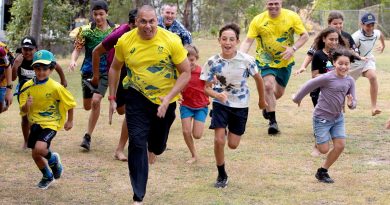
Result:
233,118
37,133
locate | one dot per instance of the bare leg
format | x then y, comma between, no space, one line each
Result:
38,153
151,157
95,112
219,146
269,84
338,147
233,140
371,76
187,134
119,155
25,130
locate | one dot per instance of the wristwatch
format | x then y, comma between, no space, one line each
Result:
9,86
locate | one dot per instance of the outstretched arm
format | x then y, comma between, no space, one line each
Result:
260,90
96,53
113,79
61,74
246,44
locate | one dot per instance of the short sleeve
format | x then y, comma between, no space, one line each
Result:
299,28
252,32
179,53
119,55
316,62
206,74
80,39
252,67
66,98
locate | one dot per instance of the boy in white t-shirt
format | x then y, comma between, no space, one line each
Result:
365,40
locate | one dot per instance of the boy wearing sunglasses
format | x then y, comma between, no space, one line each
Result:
46,103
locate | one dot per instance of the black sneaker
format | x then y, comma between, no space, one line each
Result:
273,128
86,142
323,176
56,167
265,114
45,182
221,182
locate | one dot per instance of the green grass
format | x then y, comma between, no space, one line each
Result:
263,170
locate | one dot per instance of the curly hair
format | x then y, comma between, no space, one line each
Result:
319,40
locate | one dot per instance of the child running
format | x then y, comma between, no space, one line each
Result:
328,119
232,69
365,39
194,106
45,103
5,80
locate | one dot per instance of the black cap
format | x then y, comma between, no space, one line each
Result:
99,4
28,42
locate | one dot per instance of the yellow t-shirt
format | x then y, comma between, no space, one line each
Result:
51,101
272,34
151,63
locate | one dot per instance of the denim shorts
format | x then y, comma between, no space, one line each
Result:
326,130
199,114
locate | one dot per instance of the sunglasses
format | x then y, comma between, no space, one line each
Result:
40,66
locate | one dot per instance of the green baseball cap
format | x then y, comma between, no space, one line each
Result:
44,57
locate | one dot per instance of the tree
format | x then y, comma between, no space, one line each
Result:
36,21
139,3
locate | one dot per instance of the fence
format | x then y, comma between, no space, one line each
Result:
318,19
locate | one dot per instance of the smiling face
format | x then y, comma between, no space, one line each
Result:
28,53
274,7
342,65
42,71
147,24
337,24
192,60
169,14
331,41
228,42
100,17
368,28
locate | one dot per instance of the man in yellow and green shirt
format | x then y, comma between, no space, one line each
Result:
274,32
157,70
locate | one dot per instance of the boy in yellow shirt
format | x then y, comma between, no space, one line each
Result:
45,102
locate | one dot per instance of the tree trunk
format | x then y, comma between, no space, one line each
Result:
36,20
187,15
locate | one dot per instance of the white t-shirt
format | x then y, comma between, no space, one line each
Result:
231,75
366,44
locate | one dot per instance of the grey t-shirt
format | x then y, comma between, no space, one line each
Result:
334,89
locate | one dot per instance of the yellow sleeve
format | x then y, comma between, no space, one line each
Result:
298,26
79,41
118,50
23,97
179,53
252,32
66,103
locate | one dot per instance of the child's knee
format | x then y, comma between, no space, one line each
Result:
323,148
96,103
232,145
219,141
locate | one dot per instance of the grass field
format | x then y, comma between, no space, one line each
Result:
263,170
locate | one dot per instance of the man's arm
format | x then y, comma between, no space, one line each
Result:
18,61
113,78
96,53
181,82
8,77
260,90
61,74
289,52
246,44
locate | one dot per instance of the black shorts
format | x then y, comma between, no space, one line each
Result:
233,118
37,133
101,88
145,128
121,92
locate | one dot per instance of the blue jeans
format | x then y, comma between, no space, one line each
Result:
326,130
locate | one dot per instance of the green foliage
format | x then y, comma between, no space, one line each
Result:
119,11
57,16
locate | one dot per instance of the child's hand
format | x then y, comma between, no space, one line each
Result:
262,104
222,97
29,101
301,70
68,125
293,97
388,124
349,100
380,49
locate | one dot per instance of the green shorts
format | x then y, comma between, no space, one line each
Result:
89,90
282,75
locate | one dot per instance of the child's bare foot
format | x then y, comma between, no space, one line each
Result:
375,111
315,152
120,156
151,157
138,203
192,160
24,146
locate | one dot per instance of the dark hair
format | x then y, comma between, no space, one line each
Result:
342,52
132,16
100,4
192,50
335,15
319,43
231,26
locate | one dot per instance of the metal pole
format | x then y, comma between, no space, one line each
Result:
1,14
